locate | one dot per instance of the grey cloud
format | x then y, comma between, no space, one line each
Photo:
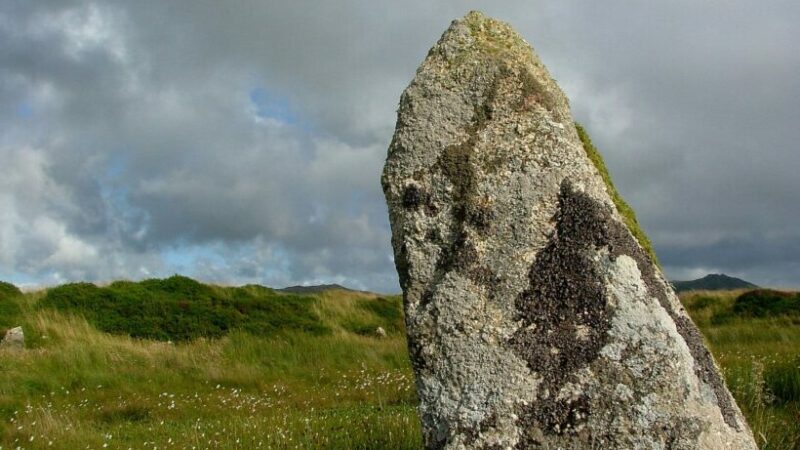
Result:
134,125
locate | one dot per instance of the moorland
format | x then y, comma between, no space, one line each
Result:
175,363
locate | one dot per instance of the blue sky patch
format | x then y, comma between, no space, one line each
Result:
271,105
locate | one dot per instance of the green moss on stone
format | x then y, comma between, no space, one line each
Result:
494,39
624,209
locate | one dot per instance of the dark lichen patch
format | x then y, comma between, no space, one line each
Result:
415,197
480,216
457,165
484,277
426,297
566,298
432,235
484,110
418,360
595,226
487,446
412,197
679,434
472,435
564,416
566,295
430,207
463,253
401,263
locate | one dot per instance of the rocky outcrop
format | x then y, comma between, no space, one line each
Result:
534,317
13,339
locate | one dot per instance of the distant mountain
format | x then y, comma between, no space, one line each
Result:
314,289
713,282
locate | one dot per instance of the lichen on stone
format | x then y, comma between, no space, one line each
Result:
564,313
536,316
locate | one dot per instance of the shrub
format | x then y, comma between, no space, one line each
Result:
767,303
9,308
381,312
180,309
389,312
702,302
722,317
8,290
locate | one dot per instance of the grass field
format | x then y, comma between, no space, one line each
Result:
338,385
760,357
79,388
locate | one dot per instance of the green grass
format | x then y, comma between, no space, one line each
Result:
9,307
760,358
78,387
624,209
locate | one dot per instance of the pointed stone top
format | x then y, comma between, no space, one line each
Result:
493,36
476,36
476,51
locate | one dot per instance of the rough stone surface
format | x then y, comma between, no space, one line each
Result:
534,317
14,339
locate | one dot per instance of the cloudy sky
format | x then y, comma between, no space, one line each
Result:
242,141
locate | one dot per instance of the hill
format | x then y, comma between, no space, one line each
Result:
713,282
315,289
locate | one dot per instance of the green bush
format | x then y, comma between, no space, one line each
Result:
382,312
722,317
767,303
8,290
702,302
389,312
9,308
180,309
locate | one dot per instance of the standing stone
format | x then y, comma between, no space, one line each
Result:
14,339
534,317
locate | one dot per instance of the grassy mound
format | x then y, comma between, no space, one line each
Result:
8,290
624,209
767,303
9,308
181,309
381,312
